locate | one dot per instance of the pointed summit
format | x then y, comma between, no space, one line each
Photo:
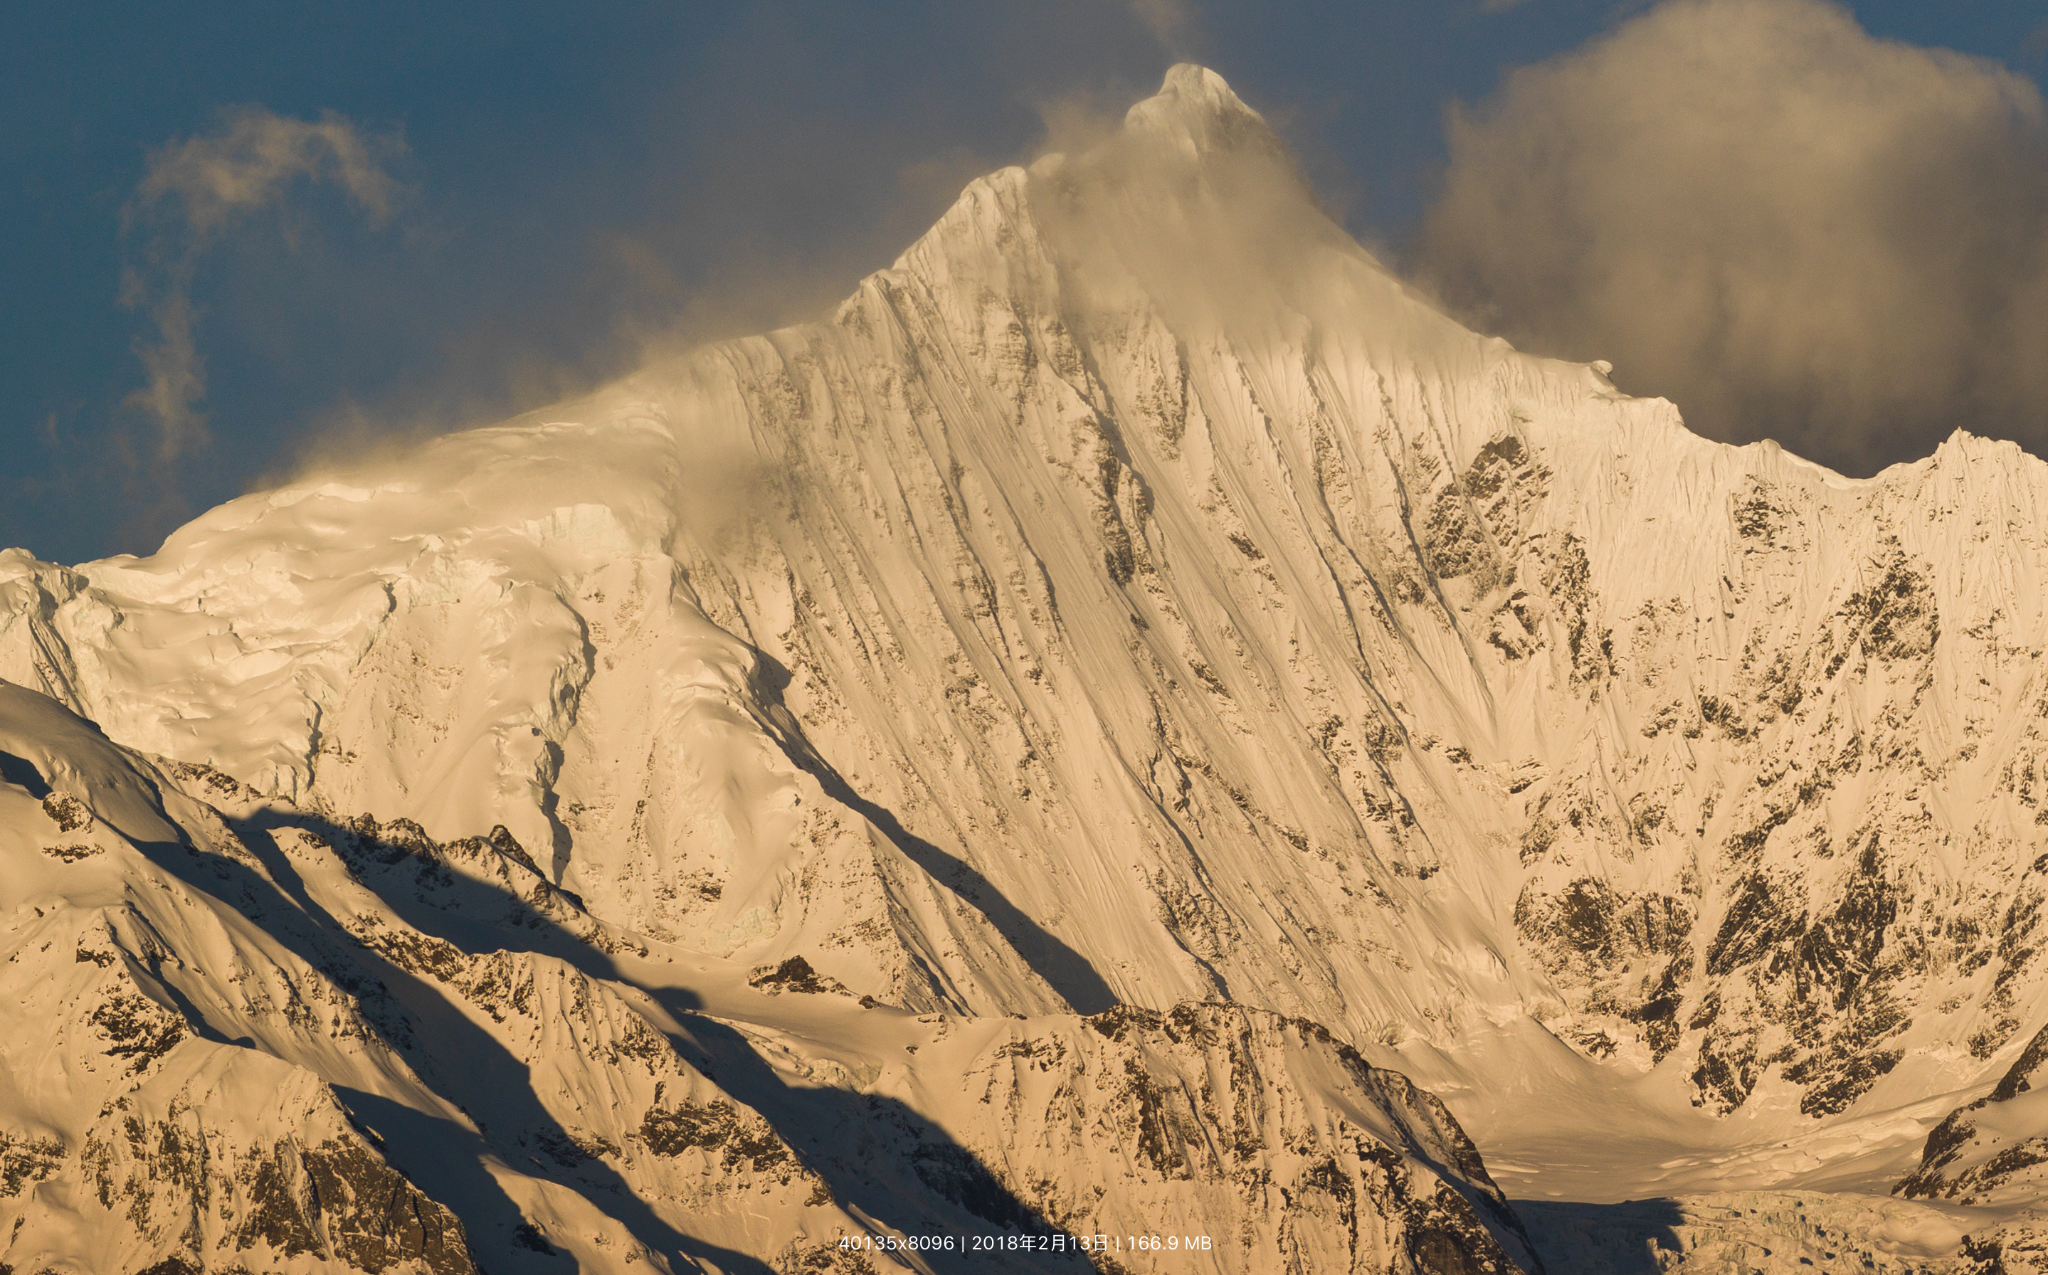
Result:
1196,107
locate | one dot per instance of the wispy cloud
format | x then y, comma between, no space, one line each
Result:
191,193
177,377
248,162
1171,21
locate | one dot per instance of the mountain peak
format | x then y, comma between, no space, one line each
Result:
1189,83
1196,107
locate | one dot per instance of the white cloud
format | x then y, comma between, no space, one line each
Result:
1787,226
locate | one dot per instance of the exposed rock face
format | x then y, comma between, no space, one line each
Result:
1262,1132
136,1137
1991,1149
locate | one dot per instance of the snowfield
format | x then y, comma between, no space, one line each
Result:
1136,725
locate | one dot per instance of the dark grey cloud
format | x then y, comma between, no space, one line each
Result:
1755,208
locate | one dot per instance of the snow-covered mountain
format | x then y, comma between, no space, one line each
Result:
252,1035
635,829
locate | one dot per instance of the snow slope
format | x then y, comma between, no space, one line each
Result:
1136,596
259,1037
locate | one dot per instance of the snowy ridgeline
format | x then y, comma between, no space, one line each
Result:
1133,600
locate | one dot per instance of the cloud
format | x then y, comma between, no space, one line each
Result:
1172,22
177,376
1753,207
1191,203
247,164
191,193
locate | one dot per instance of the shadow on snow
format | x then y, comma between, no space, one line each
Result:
1602,1239
879,1158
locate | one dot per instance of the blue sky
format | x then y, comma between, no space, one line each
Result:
569,178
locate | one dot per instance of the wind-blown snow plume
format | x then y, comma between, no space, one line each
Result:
1169,20
1754,208
192,192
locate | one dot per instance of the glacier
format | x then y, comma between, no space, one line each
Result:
1136,722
